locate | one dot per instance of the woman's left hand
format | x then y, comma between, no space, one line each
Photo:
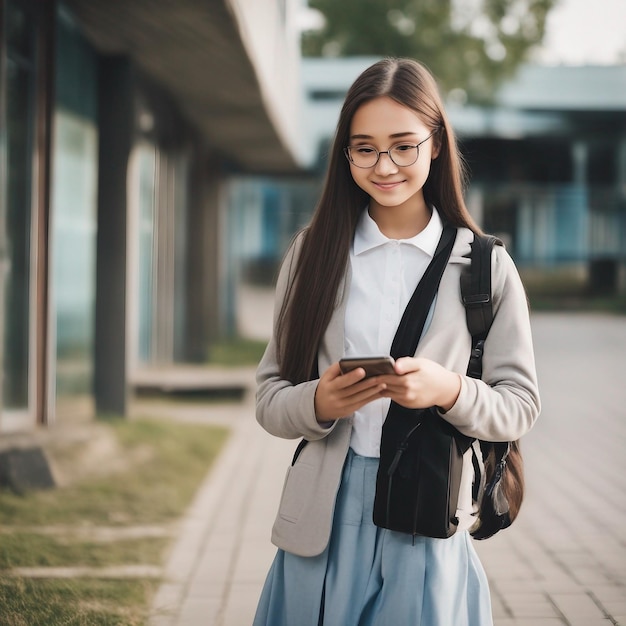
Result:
422,383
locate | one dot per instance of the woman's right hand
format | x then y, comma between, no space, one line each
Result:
339,395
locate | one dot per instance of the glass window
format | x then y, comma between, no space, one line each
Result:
15,223
74,221
73,257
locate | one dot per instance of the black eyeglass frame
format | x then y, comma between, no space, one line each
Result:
347,149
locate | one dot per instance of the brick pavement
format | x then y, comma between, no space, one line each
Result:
562,563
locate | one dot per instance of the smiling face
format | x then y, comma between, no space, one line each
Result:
384,123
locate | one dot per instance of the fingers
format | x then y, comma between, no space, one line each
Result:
334,373
422,383
363,392
350,381
339,395
418,383
407,364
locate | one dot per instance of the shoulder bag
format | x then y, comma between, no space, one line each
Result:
421,456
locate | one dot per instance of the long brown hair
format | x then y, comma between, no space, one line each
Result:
311,298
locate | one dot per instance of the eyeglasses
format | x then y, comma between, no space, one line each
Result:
402,154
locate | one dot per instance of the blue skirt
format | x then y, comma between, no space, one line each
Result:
368,576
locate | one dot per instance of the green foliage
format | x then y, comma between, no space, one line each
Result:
467,45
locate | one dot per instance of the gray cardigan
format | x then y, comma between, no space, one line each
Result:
501,407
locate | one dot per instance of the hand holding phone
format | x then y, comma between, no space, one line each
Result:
373,365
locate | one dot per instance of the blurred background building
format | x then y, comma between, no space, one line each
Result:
121,124
157,157
547,157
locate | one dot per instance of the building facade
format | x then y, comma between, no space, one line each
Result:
121,125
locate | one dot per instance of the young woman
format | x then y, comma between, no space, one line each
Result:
394,179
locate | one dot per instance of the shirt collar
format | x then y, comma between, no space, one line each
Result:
368,235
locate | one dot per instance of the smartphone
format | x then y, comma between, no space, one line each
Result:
373,365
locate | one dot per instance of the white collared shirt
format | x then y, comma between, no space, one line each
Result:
385,273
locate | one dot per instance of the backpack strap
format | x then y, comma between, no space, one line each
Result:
414,317
476,295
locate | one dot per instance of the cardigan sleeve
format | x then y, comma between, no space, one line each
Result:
505,403
283,409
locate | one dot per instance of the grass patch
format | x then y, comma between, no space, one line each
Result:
168,462
75,602
579,303
155,491
34,550
236,352
567,289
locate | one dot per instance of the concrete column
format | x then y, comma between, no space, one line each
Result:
580,154
203,245
621,189
475,204
621,166
115,104
577,214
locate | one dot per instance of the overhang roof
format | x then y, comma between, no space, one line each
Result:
591,88
537,102
194,50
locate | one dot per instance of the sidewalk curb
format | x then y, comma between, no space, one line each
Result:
195,530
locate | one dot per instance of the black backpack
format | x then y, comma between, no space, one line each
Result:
499,480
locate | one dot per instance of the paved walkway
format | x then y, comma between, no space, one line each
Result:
562,563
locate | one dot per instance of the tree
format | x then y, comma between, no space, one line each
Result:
470,45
